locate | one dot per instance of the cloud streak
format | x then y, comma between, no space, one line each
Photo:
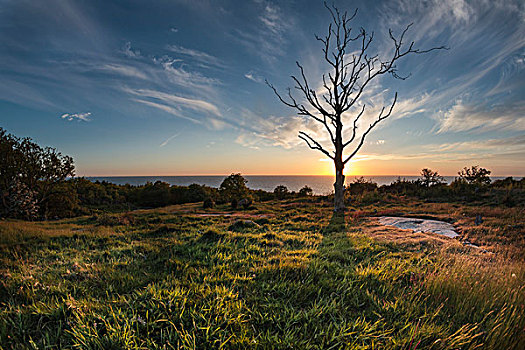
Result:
195,55
77,116
251,75
165,142
168,109
481,118
178,101
127,50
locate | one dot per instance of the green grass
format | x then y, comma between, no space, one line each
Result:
173,278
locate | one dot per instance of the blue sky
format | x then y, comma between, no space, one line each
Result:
177,87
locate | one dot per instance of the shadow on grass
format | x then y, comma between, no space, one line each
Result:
336,224
200,286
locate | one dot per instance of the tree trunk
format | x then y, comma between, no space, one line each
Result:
339,187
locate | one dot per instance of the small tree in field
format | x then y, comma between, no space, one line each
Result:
281,191
475,175
306,191
430,178
233,188
351,69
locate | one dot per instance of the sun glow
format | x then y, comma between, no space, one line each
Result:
326,167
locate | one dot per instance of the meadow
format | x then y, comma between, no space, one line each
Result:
282,274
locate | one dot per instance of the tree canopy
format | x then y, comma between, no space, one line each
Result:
29,172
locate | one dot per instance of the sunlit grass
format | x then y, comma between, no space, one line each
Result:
175,278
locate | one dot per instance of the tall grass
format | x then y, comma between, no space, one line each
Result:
171,279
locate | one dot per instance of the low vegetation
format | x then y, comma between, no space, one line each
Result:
281,274
94,265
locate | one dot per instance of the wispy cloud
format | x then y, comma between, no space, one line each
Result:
268,37
168,109
481,118
123,70
507,144
178,101
77,116
195,55
129,51
482,97
177,74
251,75
272,20
448,155
279,131
165,142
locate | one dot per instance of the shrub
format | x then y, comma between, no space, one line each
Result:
245,203
62,202
361,185
431,178
280,192
475,175
208,203
20,201
153,194
305,191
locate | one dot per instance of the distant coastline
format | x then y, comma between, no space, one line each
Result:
320,184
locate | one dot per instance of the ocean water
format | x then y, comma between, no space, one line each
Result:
320,184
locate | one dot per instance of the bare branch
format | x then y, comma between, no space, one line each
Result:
313,144
380,118
354,129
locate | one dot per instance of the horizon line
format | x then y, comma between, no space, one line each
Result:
276,175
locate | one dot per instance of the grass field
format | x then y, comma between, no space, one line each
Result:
294,276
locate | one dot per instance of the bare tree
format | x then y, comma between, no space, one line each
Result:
352,68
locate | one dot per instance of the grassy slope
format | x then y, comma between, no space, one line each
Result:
172,278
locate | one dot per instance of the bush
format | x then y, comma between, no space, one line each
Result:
208,203
431,178
280,192
245,203
305,191
475,175
153,194
20,201
63,202
360,186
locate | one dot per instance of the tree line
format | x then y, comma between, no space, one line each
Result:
39,183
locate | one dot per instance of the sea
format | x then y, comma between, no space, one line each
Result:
320,184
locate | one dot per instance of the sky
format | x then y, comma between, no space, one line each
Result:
178,87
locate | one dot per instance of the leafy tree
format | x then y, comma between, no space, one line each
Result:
39,169
62,201
234,187
305,191
280,191
197,193
153,194
352,65
430,178
20,202
475,175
